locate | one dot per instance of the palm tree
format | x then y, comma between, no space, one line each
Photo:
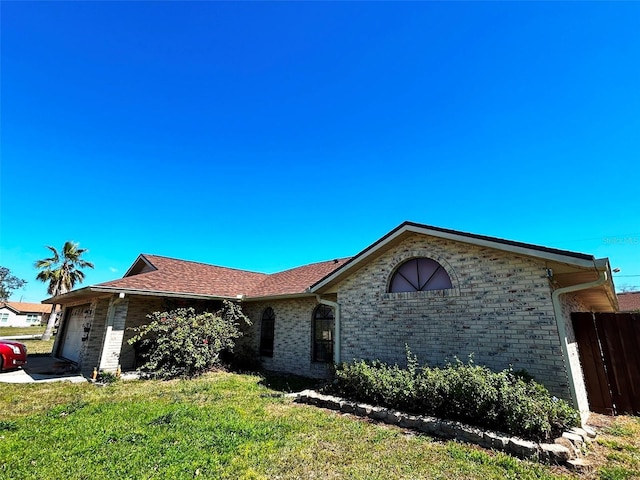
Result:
62,272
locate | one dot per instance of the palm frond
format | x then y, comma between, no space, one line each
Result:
62,273
56,255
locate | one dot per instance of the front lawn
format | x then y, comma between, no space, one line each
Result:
38,346
14,331
222,425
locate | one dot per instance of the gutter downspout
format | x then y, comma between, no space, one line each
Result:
336,327
562,331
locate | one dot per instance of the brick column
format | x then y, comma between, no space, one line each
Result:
114,333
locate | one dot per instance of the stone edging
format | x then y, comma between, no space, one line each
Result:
565,450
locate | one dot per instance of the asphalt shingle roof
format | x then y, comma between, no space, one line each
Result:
629,301
182,276
24,307
295,280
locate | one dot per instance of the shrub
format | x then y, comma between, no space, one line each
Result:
106,378
505,401
183,343
8,425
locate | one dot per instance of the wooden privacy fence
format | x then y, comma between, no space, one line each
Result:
609,346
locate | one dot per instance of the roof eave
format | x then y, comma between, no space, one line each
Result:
278,297
91,291
6,304
408,228
161,293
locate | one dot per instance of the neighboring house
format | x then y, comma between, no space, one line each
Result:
445,294
629,301
20,314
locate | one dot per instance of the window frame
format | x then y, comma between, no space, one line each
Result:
323,322
419,284
267,332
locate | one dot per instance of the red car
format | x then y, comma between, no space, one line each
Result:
12,355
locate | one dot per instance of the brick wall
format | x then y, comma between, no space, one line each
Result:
139,308
292,336
499,310
114,333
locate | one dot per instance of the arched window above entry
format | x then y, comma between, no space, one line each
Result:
419,275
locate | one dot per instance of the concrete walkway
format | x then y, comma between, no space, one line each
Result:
41,368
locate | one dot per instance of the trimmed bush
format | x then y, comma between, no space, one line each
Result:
183,344
505,401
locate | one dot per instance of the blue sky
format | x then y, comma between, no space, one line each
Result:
268,135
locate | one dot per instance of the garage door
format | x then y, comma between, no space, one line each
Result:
73,331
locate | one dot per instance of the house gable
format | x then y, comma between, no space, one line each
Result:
141,265
563,267
9,308
499,310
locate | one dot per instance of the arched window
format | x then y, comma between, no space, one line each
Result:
419,275
323,334
267,329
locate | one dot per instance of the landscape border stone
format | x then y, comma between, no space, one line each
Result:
563,451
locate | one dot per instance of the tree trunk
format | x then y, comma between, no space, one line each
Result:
46,336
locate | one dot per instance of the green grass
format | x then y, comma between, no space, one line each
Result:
221,425
38,346
619,444
12,331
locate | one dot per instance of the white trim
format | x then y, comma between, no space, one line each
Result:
470,239
561,321
143,258
336,326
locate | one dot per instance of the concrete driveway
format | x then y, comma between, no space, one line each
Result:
41,368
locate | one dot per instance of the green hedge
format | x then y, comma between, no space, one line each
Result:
505,401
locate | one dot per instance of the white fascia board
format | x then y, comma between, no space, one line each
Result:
355,261
278,297
199,296
470,239
126,291
520,249
159,293
72,294
9,307
602,263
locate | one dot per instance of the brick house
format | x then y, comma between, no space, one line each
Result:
441,292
